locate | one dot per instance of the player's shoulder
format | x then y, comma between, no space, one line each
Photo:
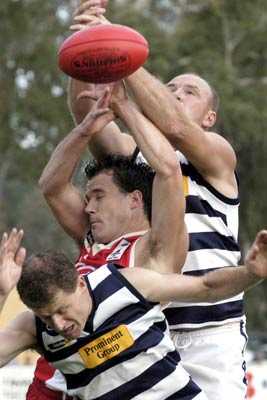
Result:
223,147
23,324
219,138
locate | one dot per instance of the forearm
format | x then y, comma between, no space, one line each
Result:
110,140
154,146
18,336
79,108
61,166
157,102
174,121
214,286
227,282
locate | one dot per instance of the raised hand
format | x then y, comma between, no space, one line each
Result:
117,90
89,13
94,92
118,94
256,259
85,4
100,114
12,257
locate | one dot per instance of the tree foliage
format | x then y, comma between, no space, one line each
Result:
224,41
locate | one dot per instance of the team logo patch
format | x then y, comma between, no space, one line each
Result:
118,252
106,346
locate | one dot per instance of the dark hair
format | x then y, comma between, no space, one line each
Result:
42,275
127,175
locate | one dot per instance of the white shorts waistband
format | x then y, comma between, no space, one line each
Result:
232,326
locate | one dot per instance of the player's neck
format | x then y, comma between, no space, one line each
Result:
138,222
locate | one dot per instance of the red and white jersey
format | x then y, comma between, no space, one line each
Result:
121,251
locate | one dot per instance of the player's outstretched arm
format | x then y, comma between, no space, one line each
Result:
110,139
19,335
168,203
64,199
214,286
84,16
191,138
169,115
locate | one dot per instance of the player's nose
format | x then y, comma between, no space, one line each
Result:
179,94
58,322
90,207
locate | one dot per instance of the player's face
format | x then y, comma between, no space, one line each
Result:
109,209
68,313
194,94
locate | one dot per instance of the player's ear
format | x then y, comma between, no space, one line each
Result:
209,119
81,282
136,199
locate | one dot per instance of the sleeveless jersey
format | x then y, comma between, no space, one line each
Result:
125,350
93,256
212,223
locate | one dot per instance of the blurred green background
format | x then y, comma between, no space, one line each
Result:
222,40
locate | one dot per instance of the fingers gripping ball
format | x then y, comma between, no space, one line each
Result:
103,53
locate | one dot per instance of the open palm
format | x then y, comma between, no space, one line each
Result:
12,256
256,259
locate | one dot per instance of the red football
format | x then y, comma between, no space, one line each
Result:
103,53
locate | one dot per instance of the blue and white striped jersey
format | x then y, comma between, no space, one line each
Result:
212,222
124,352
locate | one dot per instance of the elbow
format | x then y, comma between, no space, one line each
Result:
44,186
170,167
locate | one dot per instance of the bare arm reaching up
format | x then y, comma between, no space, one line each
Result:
185,111
19,335
167,238
110,140
64,199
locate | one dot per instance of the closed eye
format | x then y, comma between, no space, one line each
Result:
99,196
172,88
192,90
62,310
